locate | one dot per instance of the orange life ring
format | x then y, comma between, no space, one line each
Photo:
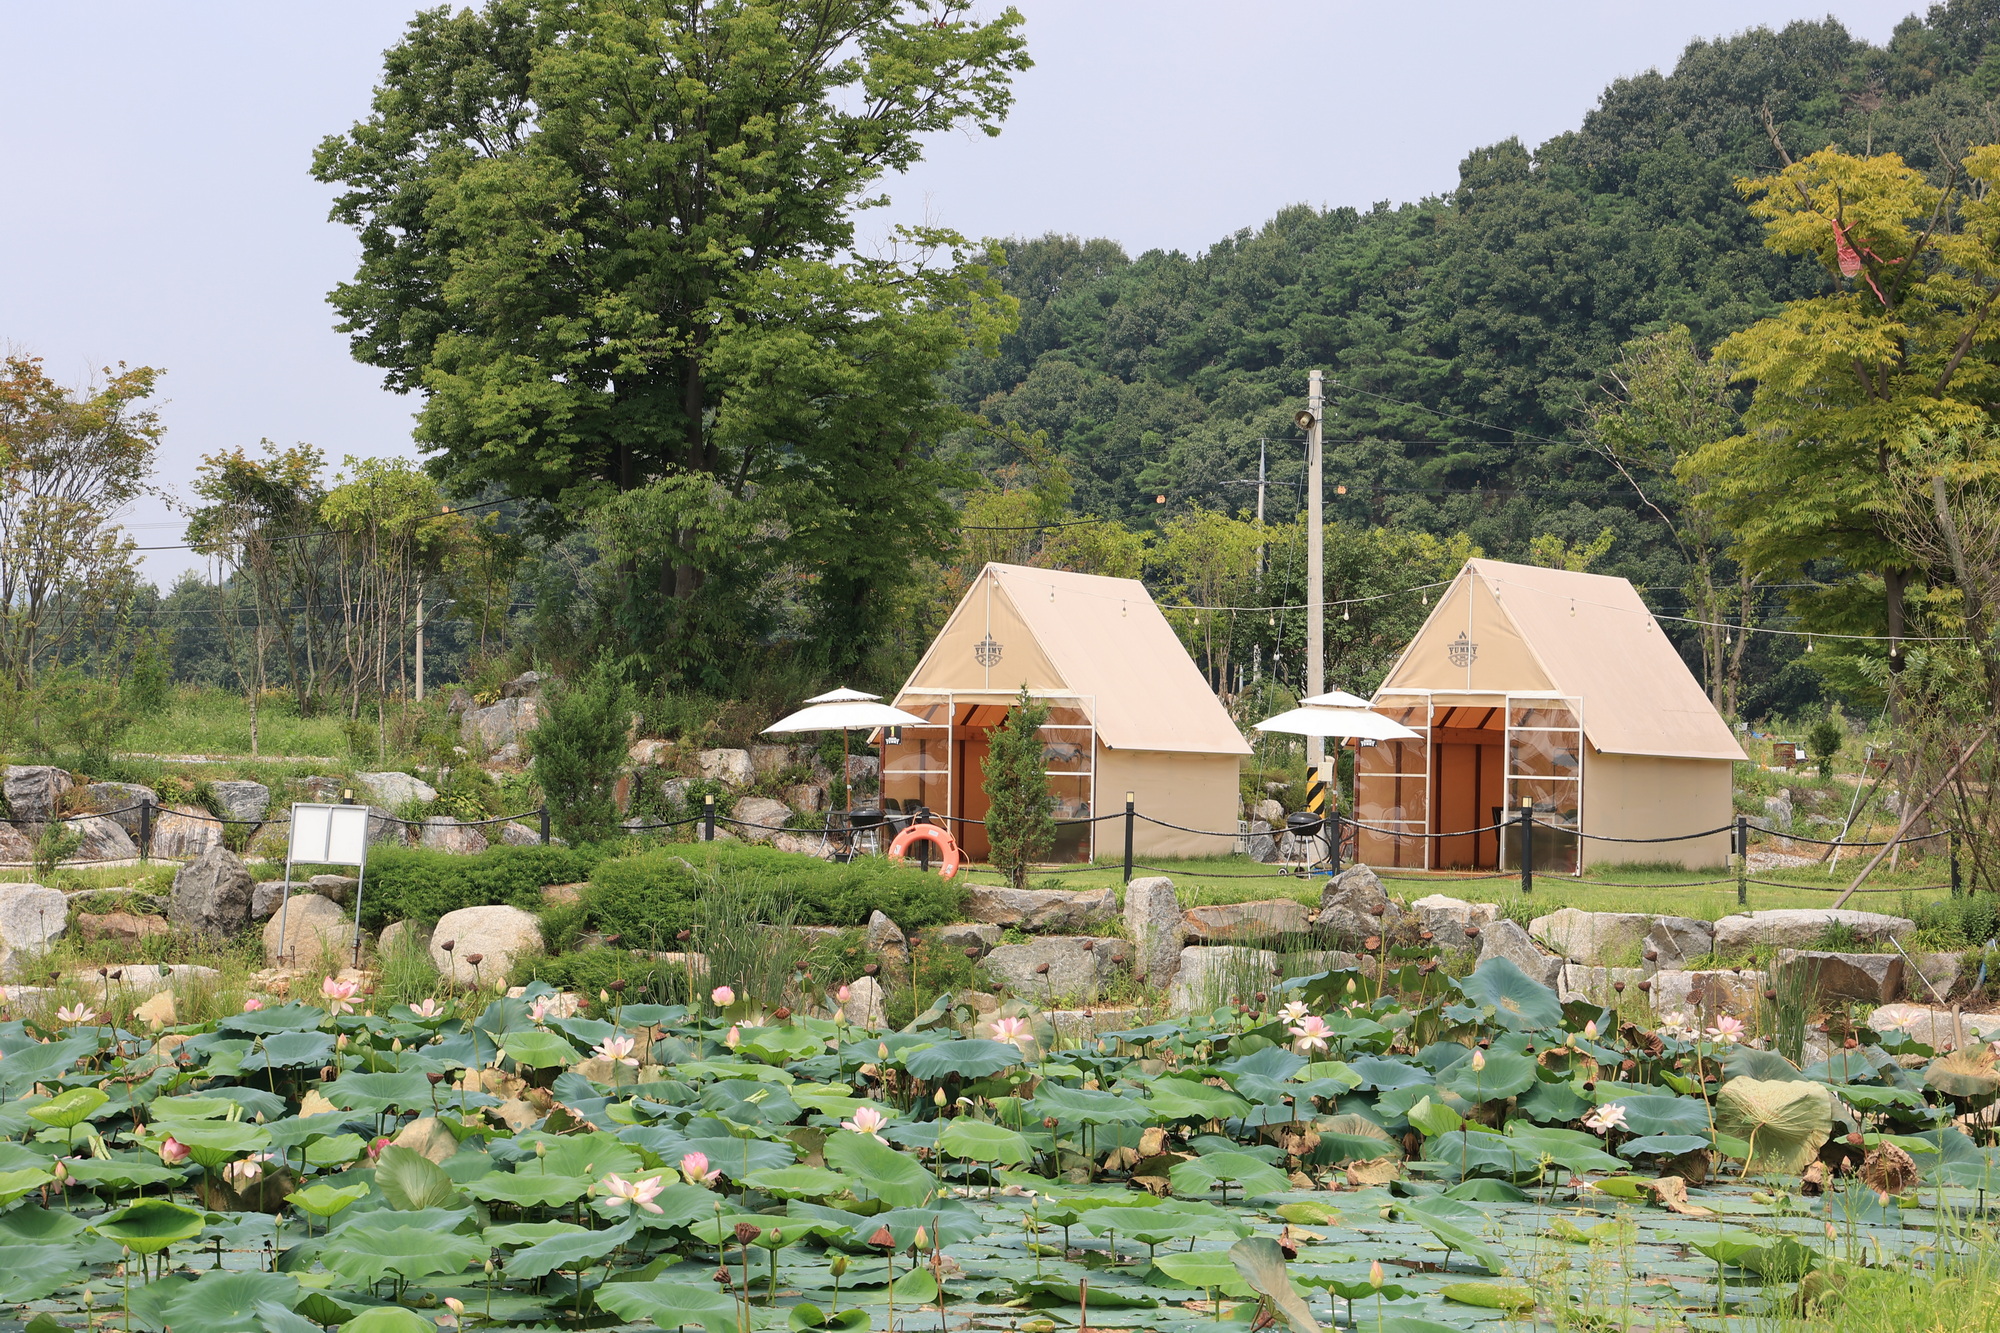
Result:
927,833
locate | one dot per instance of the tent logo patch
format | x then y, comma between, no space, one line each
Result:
1462,651
986,652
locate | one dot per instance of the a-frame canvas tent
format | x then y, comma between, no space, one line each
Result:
1555,687
1130,712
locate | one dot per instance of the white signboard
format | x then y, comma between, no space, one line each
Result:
333,835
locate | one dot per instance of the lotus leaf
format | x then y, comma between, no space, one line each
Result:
1519,1002
879,1170
670,1304
1783,1123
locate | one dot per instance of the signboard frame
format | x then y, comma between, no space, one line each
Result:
327,834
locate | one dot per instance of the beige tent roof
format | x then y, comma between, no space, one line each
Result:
1083,634
1586,635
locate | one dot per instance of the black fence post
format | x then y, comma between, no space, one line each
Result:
923,816
1333,851
1742,861
146,830
1957,884
708,818
544,812
1130,820
1527,846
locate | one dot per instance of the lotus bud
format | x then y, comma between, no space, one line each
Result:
839,1266
940,1098
1375,1274
1478,1061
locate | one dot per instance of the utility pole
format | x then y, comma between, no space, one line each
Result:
1315,557
420,641
1257,649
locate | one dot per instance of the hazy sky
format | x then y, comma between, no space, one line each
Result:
157,208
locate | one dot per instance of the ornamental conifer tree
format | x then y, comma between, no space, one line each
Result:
1020,819
578,747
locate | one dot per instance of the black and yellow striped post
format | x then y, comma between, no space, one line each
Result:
1317,801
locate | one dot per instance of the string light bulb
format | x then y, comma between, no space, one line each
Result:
1344,612
1808,643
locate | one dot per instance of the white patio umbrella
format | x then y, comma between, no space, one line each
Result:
1333,699
1361,724
844,710
1337,716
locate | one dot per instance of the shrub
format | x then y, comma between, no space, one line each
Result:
1824,742
579,747
418,884
1020,819
652,896
1956,924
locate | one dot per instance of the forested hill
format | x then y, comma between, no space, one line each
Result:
1465,332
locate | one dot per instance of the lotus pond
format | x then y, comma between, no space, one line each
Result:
1399,1151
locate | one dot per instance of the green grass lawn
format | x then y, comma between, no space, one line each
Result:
1235,879
216,722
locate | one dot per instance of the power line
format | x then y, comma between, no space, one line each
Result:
330,532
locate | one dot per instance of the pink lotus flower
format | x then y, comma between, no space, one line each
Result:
172,1151
243,1174
81,1013
457,1308
539,1009
867,1120
735,1037
1728,1030
694,1170
375,1148
1019,1031
618,1048
427,1009
846,993
252,1005
637,1192
722,997
1309,1034
1605,1119
339,995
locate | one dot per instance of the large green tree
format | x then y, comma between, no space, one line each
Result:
613,244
